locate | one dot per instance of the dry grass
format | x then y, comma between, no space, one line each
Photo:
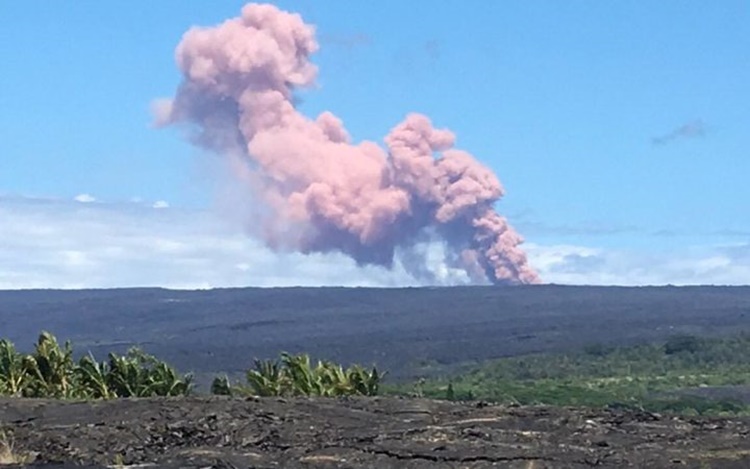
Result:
8,453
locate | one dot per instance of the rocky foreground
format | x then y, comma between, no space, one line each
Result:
214,432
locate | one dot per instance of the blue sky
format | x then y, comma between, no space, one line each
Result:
563,100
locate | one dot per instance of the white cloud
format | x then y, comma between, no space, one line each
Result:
161,204
59,244
62,244
84,198
696,265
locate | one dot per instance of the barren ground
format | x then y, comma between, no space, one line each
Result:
215,432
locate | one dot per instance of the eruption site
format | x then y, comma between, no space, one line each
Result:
320,192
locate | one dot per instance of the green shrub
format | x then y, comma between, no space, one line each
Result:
682,344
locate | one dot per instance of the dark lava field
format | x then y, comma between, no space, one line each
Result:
409,332
373,433
406,331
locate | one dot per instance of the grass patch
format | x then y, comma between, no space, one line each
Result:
8,453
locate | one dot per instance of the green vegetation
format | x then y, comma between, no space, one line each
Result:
50,371
648,377
295,375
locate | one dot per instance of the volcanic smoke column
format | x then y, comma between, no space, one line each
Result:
321,192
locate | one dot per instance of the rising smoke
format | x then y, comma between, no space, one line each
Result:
321,192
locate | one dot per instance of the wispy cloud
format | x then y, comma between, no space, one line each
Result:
84,198
693,129
698,265
47,243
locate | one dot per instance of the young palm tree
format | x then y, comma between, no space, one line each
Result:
296,376
51,372
267,379
220,386
14,379
128,376
94,378
333,379
366,383
164,381
52,369
303,379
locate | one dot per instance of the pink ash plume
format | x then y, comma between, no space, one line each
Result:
322,192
